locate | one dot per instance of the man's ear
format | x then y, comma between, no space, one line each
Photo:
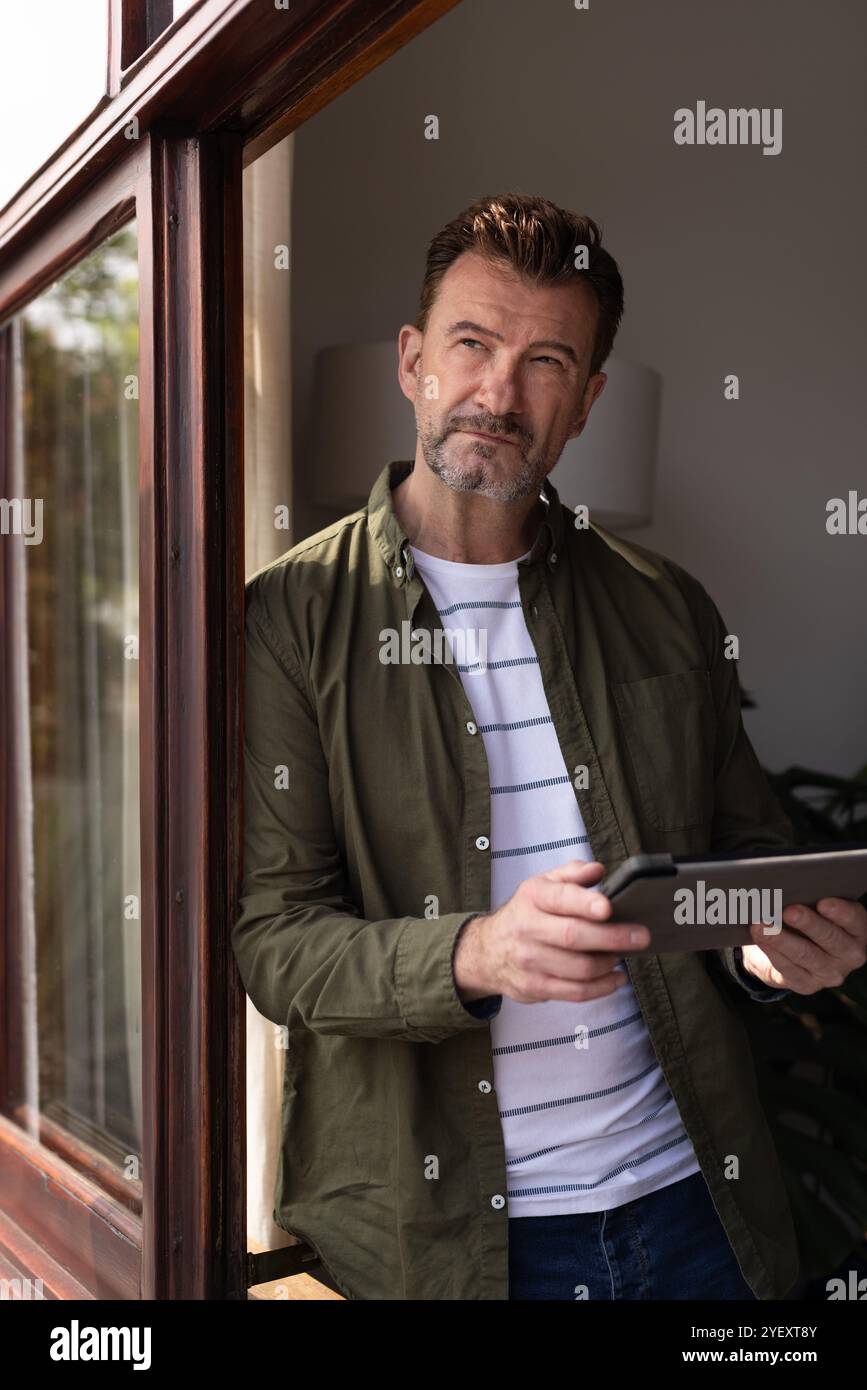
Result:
592,391
577,426
409,342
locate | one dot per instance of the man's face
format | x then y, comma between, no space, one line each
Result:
502,357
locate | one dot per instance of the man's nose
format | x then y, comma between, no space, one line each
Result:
499,394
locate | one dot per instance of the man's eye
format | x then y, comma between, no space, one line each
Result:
555,360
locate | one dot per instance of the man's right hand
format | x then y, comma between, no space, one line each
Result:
549,941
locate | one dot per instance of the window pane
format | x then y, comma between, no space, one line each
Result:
58,47
77,347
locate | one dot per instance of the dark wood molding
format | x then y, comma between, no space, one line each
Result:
192,587
239,65
106,1175
133,25
21,1258
11,1029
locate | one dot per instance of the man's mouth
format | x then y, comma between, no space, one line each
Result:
494,438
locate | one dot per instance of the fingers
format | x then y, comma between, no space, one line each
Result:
576,871
573,917
827,935
537,988
816,949
782,976
851,916
839,929
817,953
579,934
564,965
575,934
567,894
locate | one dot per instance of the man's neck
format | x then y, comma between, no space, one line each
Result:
464,527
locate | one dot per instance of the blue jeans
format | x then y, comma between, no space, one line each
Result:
669,1244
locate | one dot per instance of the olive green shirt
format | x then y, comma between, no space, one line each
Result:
367,849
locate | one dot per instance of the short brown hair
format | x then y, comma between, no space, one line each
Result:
538,239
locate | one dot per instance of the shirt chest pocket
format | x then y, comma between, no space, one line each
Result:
669,725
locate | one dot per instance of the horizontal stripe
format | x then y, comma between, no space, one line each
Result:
498,665
539,849
567,1037
554,1148
589,1186
478,603
531,786
517,724
576,1100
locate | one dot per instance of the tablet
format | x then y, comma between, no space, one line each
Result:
704,902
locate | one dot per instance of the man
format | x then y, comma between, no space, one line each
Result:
484,1096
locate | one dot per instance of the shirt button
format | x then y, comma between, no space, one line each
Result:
484,1087
553,557
482,842
471,728
498,1202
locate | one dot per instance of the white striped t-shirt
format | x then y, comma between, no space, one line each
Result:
588,1119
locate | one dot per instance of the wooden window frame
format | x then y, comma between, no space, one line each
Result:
53,1192
133,26
215,90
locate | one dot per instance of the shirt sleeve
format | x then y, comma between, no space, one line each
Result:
299,941
747,815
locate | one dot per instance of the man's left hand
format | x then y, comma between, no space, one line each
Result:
826,945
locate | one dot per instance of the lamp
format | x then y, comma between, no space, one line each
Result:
362,420
611,466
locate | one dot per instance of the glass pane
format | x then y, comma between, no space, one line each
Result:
54,47
77,368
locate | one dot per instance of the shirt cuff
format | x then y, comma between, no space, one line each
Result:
485,1008
755,987
424,981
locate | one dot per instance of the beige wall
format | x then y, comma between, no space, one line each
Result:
733,262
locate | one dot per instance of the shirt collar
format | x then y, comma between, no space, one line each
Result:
393,543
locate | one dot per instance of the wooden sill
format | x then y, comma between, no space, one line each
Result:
60,1226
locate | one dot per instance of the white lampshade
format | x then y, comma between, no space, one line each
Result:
611,466
362,420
